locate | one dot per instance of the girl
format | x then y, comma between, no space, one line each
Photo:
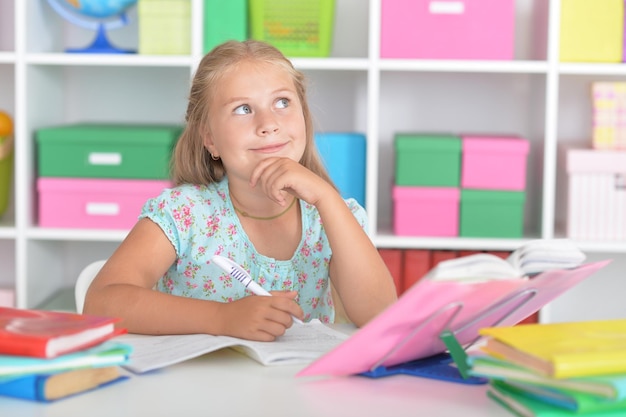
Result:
249,186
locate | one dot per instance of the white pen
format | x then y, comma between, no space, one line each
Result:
236,271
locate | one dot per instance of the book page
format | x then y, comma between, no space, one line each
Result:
545,254
300,344
472,268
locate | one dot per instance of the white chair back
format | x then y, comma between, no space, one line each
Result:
84,280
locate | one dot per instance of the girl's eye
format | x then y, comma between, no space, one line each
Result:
243,109
282,103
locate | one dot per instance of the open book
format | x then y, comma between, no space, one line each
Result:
528,260
302,343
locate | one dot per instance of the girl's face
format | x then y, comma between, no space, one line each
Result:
254,114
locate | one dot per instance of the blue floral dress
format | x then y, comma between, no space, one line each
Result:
200,221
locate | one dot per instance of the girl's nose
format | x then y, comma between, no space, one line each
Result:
267,123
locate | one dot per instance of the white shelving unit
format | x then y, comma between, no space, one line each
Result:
533,96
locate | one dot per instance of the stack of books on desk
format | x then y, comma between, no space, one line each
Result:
47,355
558,369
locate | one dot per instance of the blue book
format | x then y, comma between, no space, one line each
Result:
51,387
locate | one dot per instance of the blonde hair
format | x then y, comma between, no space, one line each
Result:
191,161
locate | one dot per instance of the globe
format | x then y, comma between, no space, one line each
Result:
97,15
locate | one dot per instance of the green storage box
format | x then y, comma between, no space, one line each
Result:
428,160
106,151
299,28
497,214
224,20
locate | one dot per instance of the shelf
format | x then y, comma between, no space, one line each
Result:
80,235
401,242
521,67
354,89
130,60
337,64
7,57
592,69
7,232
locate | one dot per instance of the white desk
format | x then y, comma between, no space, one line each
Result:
227,383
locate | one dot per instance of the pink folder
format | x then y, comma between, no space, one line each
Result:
410,328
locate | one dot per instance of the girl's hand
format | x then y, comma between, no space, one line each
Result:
280,176
260,317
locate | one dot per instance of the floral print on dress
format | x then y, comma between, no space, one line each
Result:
200,221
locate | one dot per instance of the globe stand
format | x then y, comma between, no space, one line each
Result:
96,22
101,45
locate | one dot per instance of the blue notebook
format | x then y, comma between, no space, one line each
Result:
51,387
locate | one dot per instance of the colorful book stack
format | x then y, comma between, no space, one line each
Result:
557,369
48,355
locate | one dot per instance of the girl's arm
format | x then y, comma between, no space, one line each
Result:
357,271
123,288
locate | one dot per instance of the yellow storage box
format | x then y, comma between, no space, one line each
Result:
164,27
592,31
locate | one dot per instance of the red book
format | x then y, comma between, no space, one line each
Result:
416,265
468,252
48,334
393,260
442,255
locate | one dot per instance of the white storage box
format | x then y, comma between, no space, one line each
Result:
597,194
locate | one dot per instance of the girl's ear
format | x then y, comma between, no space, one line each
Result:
207,141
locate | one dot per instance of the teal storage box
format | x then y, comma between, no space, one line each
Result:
343,155
106,151
224,20
487,213
428,160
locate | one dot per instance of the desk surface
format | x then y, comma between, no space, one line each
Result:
227,383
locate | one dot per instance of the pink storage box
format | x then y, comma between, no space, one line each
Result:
464,29
494,163
94,203
426,211
596,194
7,297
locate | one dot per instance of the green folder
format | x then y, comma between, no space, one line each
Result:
532,403
607,386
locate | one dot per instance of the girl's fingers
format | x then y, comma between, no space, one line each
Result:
272,175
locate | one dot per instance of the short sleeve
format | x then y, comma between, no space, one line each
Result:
359,213
171,212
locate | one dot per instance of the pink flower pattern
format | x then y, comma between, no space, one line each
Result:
200,222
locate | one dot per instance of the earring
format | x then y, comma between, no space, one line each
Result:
215,158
